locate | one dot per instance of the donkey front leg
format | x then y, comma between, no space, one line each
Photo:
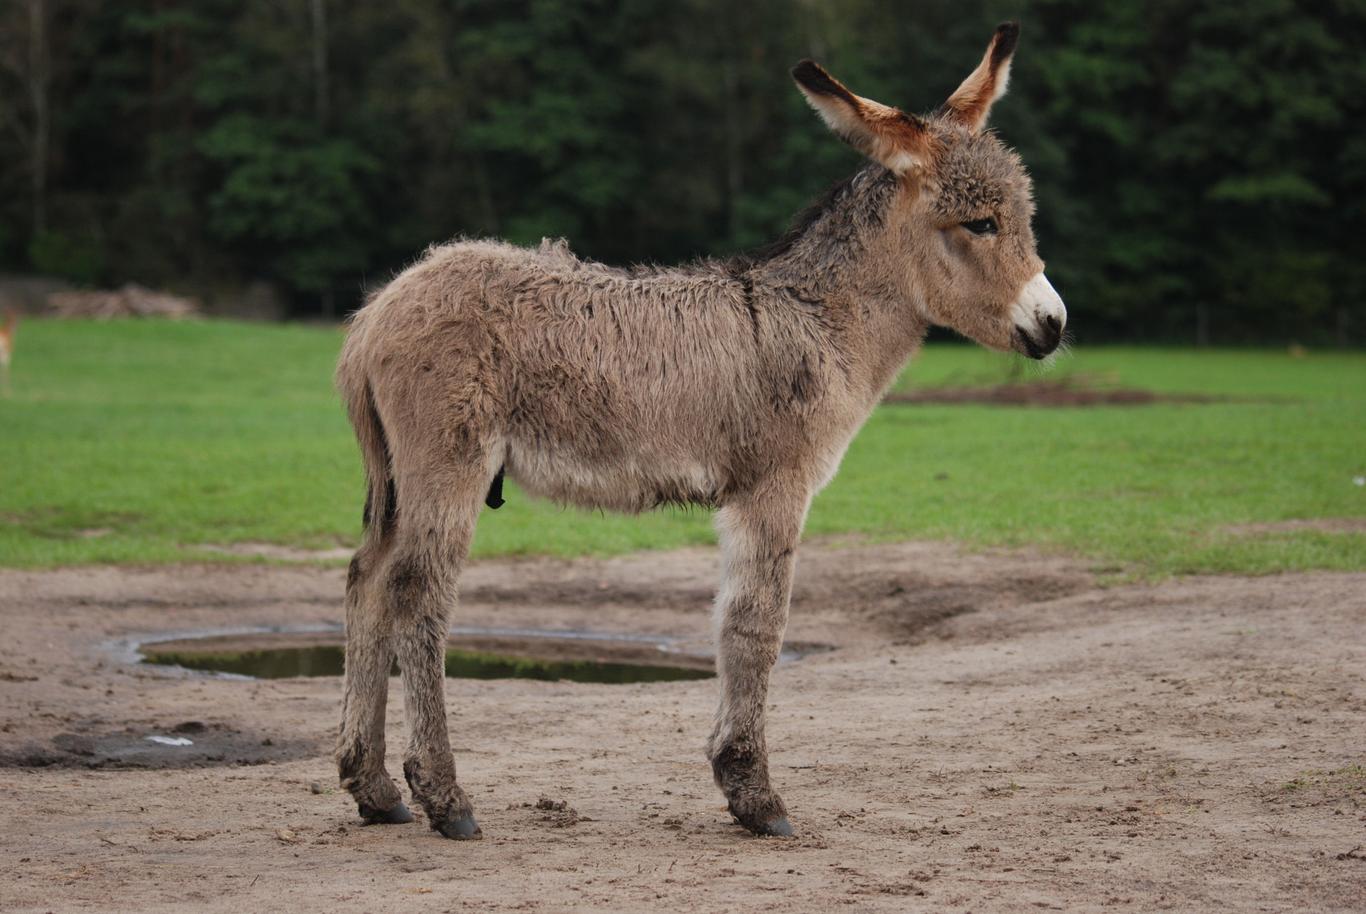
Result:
758,537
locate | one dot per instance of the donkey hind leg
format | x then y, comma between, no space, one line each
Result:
369,656
758,539
434,538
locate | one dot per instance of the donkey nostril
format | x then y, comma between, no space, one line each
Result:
1053,323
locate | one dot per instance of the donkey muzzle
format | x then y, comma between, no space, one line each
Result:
1039,317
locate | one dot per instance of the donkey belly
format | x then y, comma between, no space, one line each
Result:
610,482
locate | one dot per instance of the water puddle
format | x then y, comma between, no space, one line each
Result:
328,659
472,653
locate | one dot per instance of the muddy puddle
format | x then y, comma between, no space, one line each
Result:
575,656
97,742
329,659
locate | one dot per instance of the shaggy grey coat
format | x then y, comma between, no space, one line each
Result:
732,384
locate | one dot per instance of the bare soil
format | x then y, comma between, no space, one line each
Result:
276,552
1064,392
994,732
1312,525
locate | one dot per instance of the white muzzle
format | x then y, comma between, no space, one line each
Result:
1039,317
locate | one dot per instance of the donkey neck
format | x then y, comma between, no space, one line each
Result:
839,255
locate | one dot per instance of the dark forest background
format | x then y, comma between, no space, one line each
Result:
1200,167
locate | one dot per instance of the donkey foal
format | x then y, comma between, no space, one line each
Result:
732,384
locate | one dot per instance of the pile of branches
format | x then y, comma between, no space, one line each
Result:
130,301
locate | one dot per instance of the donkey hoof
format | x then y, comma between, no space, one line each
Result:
775,828
397,814
461,829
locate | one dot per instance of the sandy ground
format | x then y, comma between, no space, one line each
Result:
993,733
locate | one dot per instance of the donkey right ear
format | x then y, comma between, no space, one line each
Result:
886,135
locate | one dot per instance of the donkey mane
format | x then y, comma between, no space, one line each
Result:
805,222
848,206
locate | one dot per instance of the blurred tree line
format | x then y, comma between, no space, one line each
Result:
1200,166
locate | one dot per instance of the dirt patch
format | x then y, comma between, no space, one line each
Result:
993,733
1319,525
1060,392
281,553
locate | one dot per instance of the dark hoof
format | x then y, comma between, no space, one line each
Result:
397,814
775,828
462,829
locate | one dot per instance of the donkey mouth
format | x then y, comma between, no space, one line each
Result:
1033,349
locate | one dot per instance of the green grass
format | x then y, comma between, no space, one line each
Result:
138,441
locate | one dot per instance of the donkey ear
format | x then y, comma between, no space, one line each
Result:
886,135
972,101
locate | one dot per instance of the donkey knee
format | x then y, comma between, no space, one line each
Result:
355,573
408,582
362,567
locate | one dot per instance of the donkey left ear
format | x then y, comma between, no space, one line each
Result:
970,104
887,135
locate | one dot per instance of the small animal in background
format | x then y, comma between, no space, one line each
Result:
7,348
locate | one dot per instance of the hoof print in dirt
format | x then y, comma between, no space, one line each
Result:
462,829
558,813
398,814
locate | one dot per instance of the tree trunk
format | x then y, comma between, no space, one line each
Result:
320,113
39,78
320,87
734,143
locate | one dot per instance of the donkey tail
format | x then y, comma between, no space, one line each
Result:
381,503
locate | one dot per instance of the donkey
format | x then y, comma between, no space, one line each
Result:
732,384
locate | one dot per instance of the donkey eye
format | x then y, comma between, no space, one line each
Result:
985,226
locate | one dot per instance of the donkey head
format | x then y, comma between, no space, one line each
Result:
960,221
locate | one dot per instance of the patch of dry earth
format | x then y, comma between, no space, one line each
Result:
994,733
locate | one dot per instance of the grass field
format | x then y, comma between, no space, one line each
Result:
145,441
